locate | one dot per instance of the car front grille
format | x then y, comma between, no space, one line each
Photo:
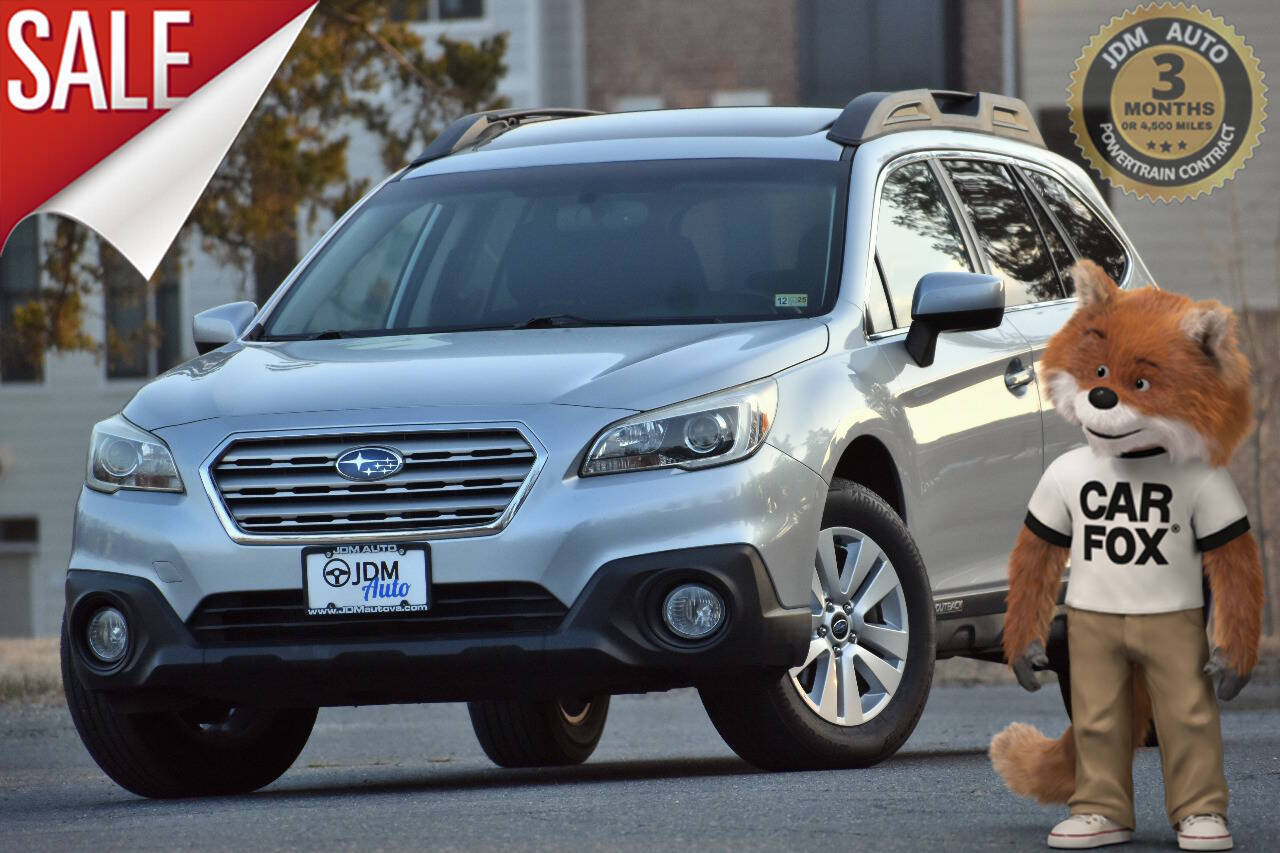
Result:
454,479
457,610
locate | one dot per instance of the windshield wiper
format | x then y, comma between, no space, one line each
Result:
329,334
564,321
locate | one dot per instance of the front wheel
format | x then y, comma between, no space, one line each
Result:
539,733
863,684
215,750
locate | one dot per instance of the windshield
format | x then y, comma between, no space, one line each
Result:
654,242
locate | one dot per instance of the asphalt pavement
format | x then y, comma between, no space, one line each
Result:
402,777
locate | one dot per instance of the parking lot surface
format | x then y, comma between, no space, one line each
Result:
403,777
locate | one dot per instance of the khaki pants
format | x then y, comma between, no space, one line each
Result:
1171,649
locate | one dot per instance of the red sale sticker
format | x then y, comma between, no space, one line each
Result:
116,114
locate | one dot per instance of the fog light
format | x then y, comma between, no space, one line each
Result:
108,635
693,611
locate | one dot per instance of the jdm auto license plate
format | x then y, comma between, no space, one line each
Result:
372,578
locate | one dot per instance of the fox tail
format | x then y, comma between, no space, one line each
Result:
1033,765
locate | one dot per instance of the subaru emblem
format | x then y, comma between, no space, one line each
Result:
369,463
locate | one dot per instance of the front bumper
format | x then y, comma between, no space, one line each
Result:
610,641
564,530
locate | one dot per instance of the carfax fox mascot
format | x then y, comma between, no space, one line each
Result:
1144,513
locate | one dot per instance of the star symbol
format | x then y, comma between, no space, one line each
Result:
358,461
1182,145
1165,146
1151,146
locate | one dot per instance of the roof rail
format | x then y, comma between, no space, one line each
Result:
476,128
874,114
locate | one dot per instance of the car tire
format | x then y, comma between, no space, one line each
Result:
539,733
184,754
769,722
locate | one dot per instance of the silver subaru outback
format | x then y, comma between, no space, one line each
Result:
574,405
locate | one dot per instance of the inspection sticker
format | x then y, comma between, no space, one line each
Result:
790,300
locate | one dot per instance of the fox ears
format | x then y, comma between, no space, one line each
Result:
1211,326
1093,285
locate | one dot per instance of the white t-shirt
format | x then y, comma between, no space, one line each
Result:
1136,526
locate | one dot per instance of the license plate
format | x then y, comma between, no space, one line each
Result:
373,578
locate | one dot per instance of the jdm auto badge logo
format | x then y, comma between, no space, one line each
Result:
1167,102
369,463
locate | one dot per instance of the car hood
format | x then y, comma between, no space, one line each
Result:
632,367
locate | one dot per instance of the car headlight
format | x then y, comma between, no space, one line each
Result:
122,456
712,430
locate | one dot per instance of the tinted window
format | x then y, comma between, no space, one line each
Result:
1006,230
1058,248
916,234
663,241
1092,237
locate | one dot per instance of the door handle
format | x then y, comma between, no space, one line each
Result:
1017,376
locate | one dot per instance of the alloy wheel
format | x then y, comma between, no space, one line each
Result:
858,647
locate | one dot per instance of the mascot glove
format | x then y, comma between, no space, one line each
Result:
1227,683
1025,665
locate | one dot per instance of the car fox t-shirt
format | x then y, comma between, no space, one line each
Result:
1136,525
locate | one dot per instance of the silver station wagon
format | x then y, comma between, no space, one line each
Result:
574,405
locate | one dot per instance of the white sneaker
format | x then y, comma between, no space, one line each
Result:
1204,832
1081,831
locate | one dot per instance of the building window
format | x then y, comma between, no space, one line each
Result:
143,320
436,10
19,542
19,532
742,98
19,283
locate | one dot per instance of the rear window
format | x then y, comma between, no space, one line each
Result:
670,241
1006,229
1092,238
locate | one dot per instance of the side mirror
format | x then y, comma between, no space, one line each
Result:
952,302
222,325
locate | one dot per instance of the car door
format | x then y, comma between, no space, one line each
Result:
973,416
1072,230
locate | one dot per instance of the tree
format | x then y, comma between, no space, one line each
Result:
354,66
53,319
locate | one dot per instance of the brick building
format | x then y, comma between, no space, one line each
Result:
648,54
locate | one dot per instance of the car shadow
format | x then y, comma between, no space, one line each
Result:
400,779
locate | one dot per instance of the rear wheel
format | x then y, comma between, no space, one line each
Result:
539,733
213,750
863,684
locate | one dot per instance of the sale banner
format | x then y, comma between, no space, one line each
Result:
117,114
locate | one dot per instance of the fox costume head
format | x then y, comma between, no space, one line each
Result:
1149,368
